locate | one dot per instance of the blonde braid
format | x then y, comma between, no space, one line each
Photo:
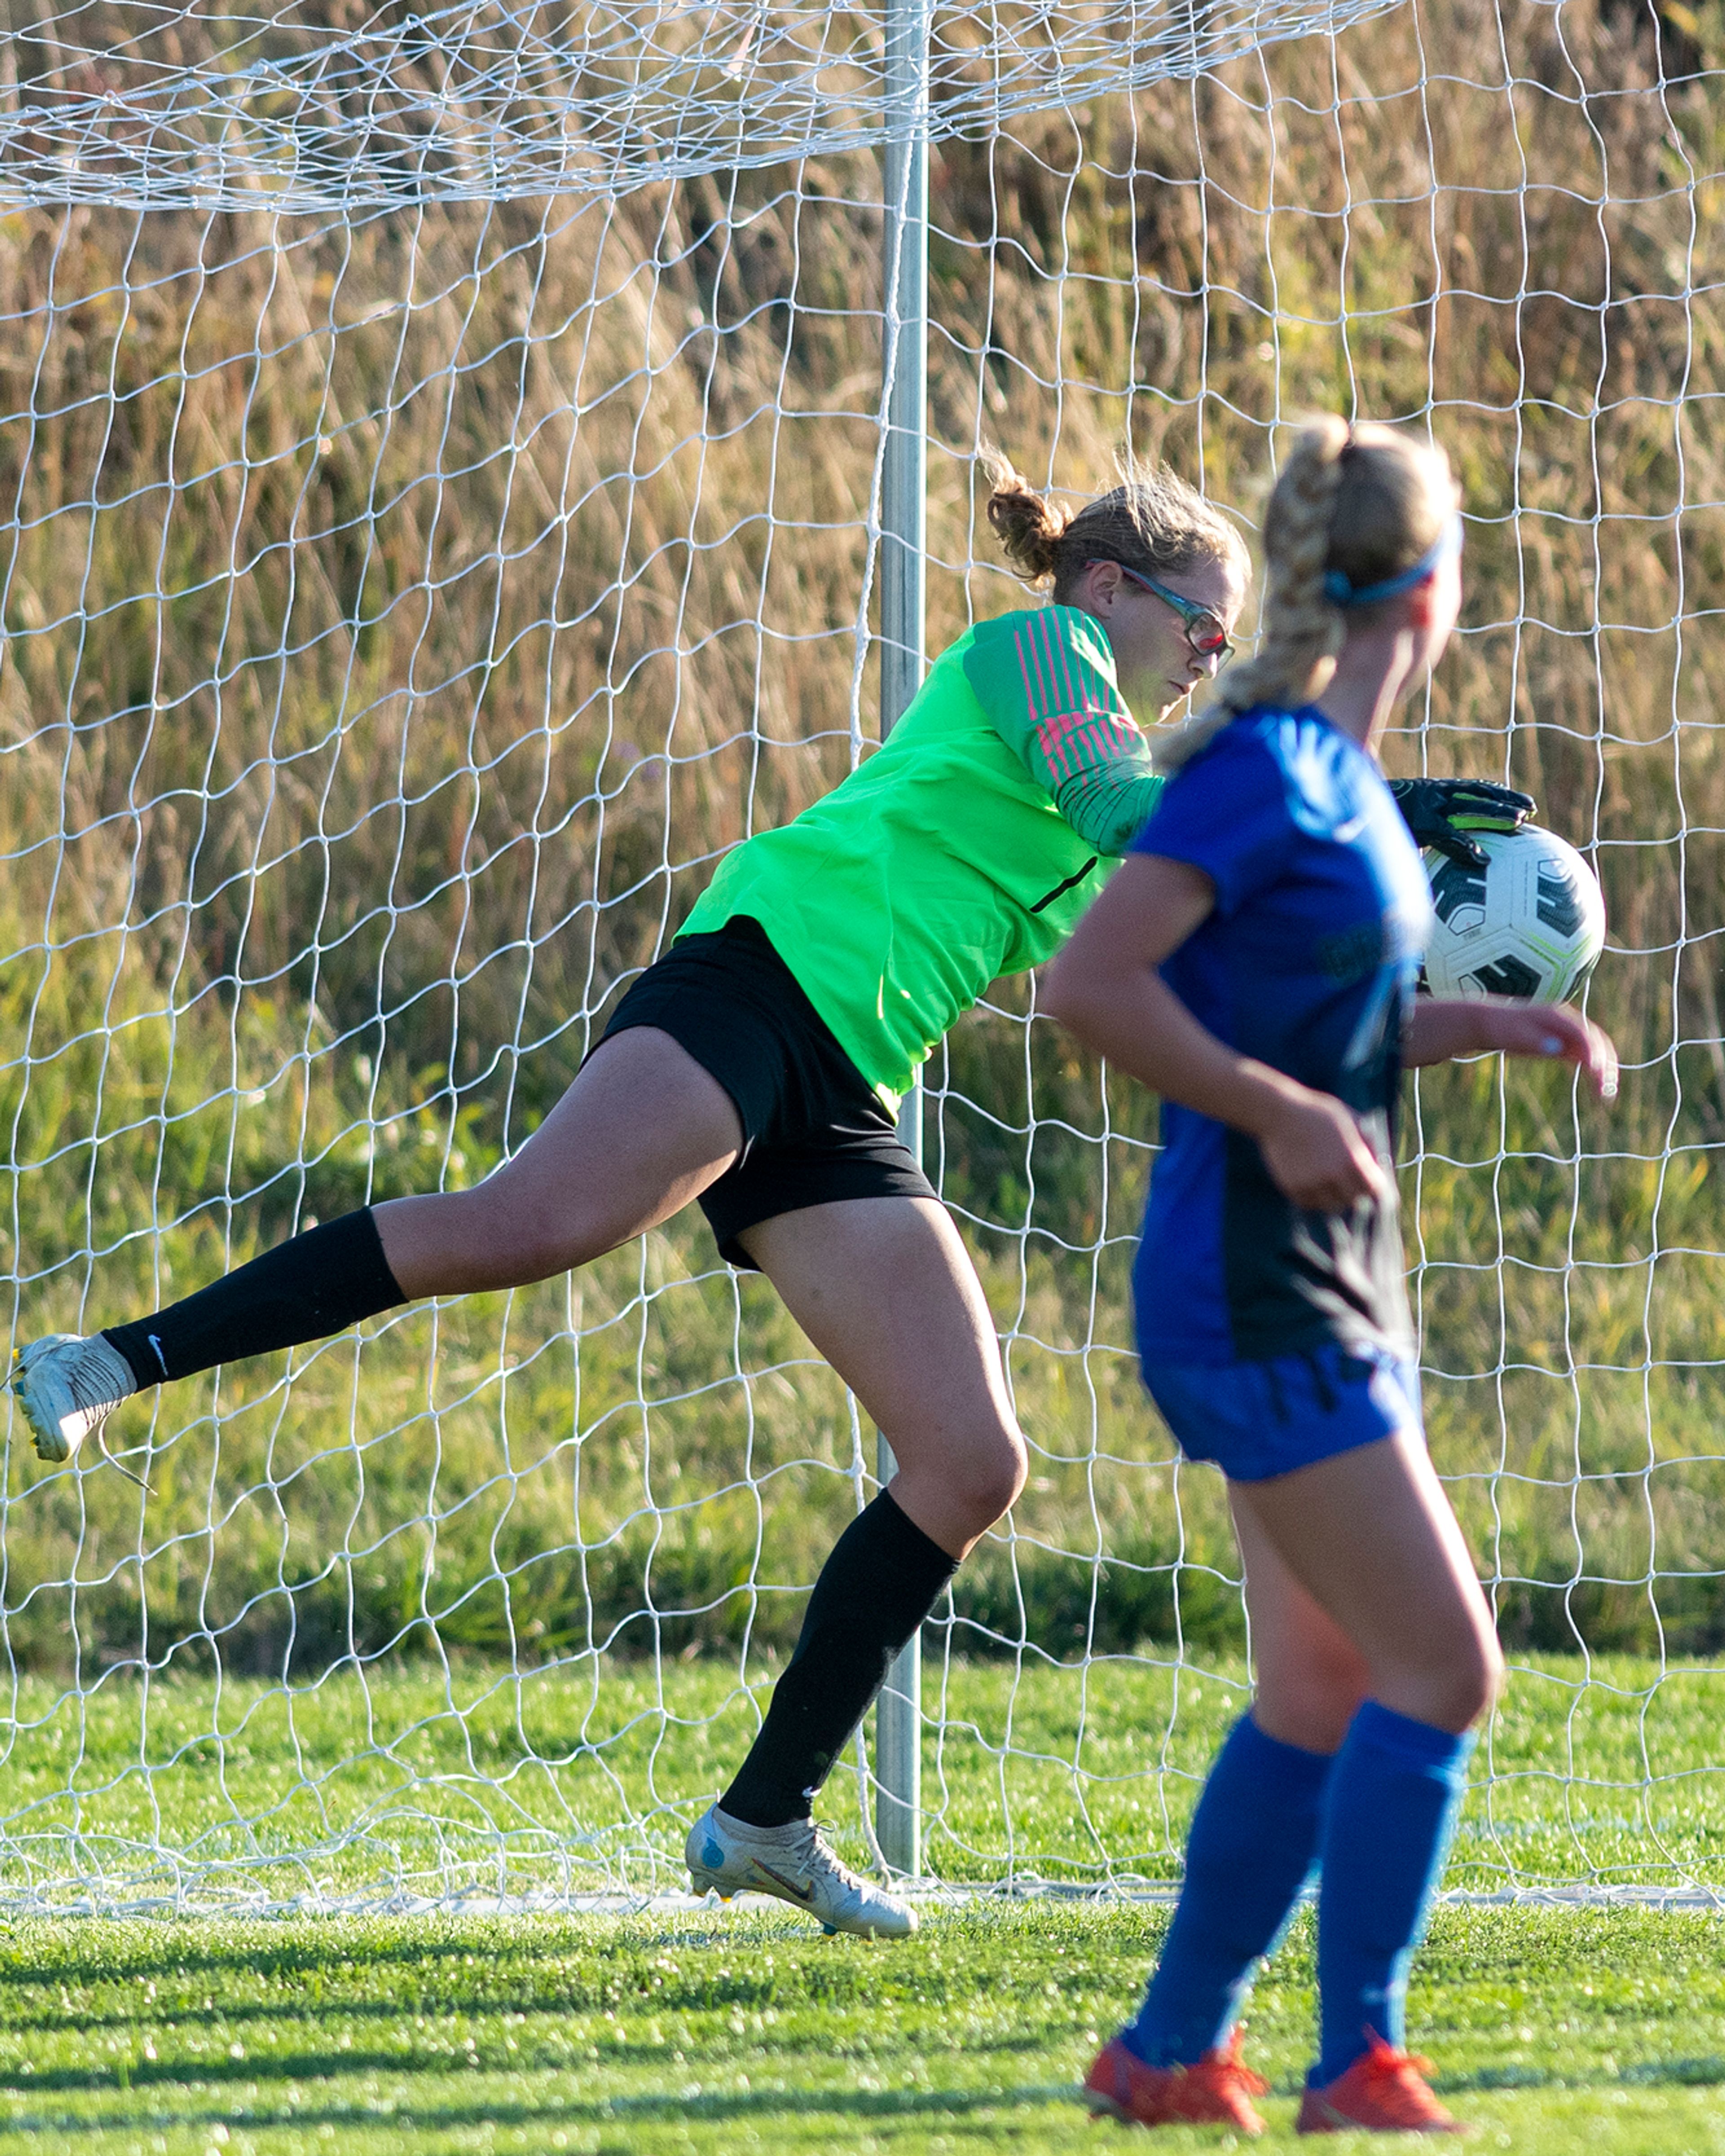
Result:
1303,629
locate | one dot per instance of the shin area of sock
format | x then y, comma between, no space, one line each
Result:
1388,1815
304,1289
882,1579
1253,1840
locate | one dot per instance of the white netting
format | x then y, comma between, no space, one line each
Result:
103,104
405,604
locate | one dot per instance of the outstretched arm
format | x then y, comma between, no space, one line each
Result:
1104,987
1438,1030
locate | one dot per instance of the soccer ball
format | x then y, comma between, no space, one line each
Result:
1530,924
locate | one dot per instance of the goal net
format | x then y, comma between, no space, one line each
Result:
440,507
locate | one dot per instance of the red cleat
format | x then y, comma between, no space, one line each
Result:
1216,2091
1383,2092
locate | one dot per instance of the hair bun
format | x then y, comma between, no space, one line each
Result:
1027,524
1151,523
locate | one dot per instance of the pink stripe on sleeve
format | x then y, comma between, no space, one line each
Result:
1076,715
1062,645
1036,697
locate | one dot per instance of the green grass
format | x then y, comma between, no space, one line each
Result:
1553,2031
694,2028
587,1780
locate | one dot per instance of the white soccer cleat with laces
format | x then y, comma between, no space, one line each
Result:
68,1387
794,1865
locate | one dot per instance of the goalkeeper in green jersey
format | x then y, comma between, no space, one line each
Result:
756,1069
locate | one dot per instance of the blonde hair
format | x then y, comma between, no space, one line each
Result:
1364,502
1152,522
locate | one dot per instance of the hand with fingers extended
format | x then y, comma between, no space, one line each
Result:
1437,1030
1441,811
1560,1034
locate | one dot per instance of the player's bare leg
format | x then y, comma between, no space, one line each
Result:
642,1130
886,1290
1308,1677
1370,1538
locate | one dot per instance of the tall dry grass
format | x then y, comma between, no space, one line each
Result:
401,618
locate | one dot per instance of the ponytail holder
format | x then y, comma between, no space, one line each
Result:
1340,593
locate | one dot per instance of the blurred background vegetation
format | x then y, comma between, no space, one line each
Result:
401,617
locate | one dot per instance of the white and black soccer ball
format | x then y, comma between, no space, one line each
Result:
1530,924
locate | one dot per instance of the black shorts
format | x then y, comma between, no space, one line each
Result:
813,1129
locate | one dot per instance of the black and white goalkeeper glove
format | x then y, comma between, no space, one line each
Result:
1441,811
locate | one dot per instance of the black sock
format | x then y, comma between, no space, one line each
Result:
876,1589
304,1289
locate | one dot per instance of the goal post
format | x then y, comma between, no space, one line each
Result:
460,473
904,482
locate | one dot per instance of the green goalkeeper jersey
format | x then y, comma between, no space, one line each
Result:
965,848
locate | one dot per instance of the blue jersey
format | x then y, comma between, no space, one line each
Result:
1306,963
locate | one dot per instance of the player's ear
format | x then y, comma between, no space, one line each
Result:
1101,588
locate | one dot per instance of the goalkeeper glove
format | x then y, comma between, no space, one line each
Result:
1441,811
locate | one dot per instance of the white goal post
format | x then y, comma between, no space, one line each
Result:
461,471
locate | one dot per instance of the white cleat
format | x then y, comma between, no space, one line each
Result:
68,1387
792,1863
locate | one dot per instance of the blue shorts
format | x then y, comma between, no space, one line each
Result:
1257,1419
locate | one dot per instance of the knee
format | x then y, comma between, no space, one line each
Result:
987,1478
1464,1691
1309,1708
1311,1676
1484,1679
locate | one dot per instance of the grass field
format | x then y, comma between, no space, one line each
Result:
408,1782
1553,2028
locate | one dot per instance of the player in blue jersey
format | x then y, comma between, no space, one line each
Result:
1255,961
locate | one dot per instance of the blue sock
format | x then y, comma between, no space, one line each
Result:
1253,1838
1391,1803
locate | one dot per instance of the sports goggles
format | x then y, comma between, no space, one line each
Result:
1204,632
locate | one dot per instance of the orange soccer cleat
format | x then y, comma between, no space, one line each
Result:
1216,2091
1383,2092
